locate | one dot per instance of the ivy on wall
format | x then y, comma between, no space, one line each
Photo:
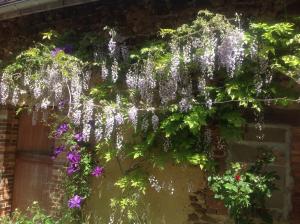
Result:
179,98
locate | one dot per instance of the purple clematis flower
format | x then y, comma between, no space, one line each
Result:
55,51
74,157
63,128
72,168
57,151
78,137
98,171
75,202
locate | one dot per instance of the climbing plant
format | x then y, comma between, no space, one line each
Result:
182,97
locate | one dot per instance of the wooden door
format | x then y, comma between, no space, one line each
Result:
33,164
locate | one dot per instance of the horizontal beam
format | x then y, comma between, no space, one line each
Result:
20,8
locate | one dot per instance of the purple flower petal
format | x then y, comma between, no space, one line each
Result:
97,171
78,137
58,150
75,202
74,157
73,168
63,128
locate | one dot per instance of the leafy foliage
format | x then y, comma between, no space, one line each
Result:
244,189
34,215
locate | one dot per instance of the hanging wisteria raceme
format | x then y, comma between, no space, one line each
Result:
4,89
231,50
155,121
99,127
37,89
104,71
146,82
132,79
15,96
75,105
133,116
45,103
187,52
185,105
119,140
86,76
88,111
109,113
208,58
114,70
55,80
168,85
112,44
119,121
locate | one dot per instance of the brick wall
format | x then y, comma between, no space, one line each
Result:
56,190
8,139
9,128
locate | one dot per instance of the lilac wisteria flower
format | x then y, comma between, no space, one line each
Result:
231,50
98,171
133,116
78,137
61,104
63,128
155,122
58,150
75,202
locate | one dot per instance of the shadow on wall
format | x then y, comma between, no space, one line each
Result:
166,201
